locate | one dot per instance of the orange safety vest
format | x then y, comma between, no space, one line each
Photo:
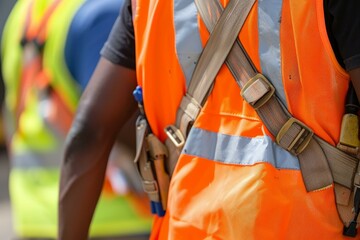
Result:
232,181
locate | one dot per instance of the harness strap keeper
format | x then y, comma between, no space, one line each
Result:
158,153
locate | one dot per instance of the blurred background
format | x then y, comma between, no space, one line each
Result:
36,142
6,231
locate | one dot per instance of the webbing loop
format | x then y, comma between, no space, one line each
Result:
151,188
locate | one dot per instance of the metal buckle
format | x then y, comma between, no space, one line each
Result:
348,149
265,97
302,139
175,135
150,187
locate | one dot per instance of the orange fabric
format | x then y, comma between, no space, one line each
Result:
310,71
253,202
212,200
159,228
157,45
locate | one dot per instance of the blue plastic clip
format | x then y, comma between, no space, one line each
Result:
138,94
156,208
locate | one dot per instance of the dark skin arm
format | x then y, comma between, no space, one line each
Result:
355,79
105,106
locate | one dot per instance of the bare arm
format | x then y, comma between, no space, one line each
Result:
105,106
355,79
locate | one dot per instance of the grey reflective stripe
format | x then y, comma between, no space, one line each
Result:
238,150
187,36
269,43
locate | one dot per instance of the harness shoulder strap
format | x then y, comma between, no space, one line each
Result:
209,63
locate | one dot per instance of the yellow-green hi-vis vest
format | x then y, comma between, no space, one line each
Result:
35,144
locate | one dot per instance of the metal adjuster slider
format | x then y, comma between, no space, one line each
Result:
257,91
294,136
175,135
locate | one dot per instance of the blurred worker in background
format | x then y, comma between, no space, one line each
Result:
5,8
49,50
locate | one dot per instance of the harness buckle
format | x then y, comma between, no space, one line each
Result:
294,136
150,187
349,141
257,91
175,135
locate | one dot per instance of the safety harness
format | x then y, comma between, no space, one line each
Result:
35,79
321,163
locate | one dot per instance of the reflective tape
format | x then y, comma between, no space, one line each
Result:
238,150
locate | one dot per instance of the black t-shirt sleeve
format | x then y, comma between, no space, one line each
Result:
342,21
343,27
120,46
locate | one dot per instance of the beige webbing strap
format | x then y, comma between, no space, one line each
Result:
157,154
210,61
291,134
143,164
